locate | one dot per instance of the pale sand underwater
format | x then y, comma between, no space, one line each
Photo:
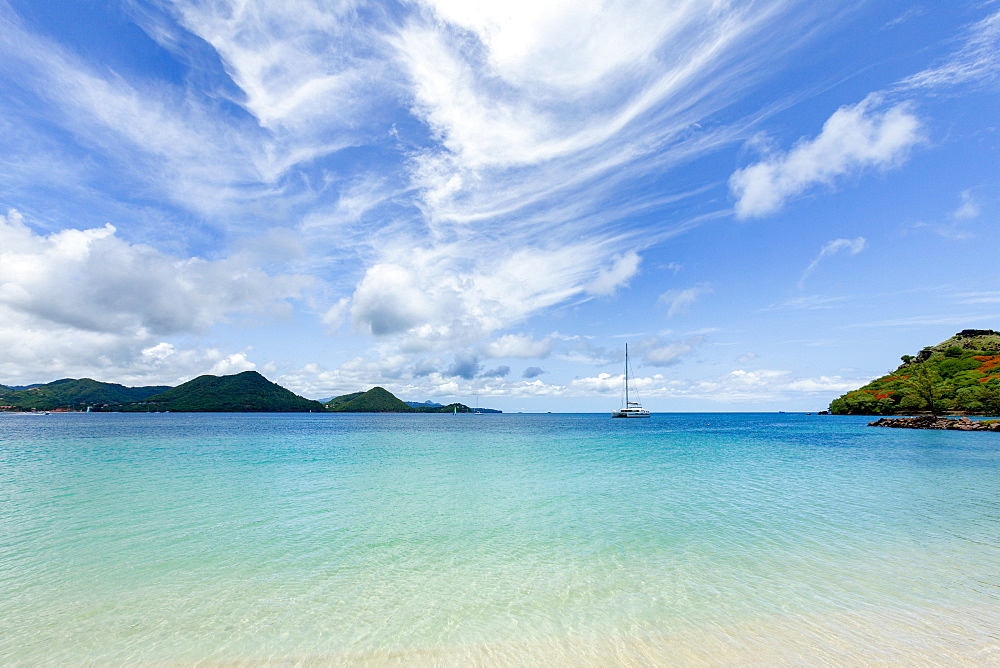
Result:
533,540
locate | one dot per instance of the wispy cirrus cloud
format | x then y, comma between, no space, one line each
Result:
679,300
494,197
979,298
850,246
977,60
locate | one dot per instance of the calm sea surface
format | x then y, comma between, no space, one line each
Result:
496,539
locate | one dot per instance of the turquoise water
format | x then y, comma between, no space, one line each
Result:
496,539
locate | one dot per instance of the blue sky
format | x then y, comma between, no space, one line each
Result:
770,201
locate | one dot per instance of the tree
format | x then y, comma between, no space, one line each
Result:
923,382
989,397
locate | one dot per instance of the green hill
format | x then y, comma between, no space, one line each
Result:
341,400
381,400
75,393
375,400
959,376
246,392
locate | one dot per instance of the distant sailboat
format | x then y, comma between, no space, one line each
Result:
630,409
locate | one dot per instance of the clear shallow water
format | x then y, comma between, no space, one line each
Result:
510,539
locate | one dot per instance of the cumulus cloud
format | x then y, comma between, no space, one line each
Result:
851,246
436,297
853,138
739,386
500,372
466,365
79,297
389,300
680,300
95,281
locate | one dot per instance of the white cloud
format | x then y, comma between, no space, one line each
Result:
234,363
679,301
432,297
93,280
289,58
852,246
518,345
811,302
968,209
337,314
466,366
978,59
853,138
605,383
88,295
668,354
536,113
736,387
824,384
622,269
979,298
389,301
659,351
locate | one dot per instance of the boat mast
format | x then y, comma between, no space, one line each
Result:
626,375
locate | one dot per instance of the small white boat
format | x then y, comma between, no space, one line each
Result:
629,409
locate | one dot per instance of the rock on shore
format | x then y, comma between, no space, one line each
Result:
931,422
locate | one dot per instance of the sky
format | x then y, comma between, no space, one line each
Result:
769,201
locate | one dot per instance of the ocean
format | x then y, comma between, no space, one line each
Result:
684,539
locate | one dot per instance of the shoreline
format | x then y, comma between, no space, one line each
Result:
933,422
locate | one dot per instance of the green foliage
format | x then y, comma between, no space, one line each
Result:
959,375
243,392
75,394
925,383
341,400
380,400
375,400
240,393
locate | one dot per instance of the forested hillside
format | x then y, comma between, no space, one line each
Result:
960,376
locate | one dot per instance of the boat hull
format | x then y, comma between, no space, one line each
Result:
631,414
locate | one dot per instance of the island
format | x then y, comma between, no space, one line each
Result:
243,392
380,400
959,376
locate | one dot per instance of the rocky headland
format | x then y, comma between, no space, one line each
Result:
933,422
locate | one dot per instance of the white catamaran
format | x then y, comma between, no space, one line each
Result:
629,409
